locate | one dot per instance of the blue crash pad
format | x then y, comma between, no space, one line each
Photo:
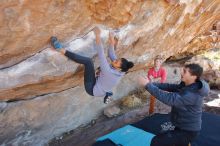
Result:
129,136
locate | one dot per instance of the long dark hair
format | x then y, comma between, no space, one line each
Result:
126,65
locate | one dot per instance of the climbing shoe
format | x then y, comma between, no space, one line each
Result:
55,43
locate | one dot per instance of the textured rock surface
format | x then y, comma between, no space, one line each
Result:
44,80
213,77
131,101
204,42
209,61
111,111
34,122
153,26
27,25
34,72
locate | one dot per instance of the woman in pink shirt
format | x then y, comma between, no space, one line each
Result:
156,74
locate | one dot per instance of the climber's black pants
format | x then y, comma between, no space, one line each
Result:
89,72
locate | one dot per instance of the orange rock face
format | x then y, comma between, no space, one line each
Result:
27,25
48,88
145,28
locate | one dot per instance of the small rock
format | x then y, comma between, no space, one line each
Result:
213,78
131,101
112,111
93,122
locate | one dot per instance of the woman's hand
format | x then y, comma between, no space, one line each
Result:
97,32
151,78
111,38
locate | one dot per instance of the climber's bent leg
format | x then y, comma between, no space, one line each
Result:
89,72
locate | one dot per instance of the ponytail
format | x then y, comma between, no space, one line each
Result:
126,65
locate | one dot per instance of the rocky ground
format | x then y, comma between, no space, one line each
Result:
86,135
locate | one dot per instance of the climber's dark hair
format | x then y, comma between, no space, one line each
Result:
126,65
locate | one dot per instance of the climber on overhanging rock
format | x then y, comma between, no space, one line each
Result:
110,75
